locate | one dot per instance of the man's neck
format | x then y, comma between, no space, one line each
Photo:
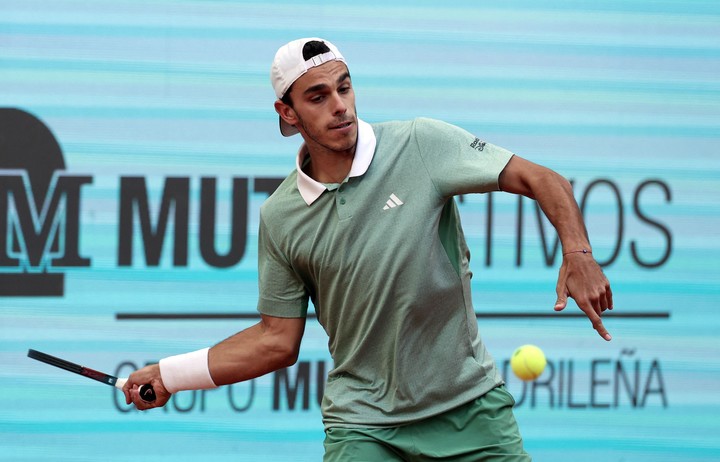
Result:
329,167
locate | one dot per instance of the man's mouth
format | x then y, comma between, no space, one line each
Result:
342,125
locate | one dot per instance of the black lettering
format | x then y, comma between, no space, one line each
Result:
119,398
38,227
625,382
191,403
571,381
561,379
595,382
238,227
282,384
655,224
519,236
620,222
248,400
660,388
320,380
267,185
488,230
549,375
134,196
631,388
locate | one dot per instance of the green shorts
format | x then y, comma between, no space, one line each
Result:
481,430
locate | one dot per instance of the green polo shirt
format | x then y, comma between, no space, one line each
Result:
383,258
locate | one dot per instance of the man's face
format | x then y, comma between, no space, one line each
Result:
324,108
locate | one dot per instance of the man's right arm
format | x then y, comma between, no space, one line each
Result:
271,344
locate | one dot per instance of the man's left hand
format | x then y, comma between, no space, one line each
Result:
582,279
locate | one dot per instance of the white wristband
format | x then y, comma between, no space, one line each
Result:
189,371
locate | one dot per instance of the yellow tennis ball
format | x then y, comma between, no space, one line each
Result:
528,362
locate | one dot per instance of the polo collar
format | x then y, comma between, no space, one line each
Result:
310,189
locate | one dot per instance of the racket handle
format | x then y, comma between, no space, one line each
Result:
147,393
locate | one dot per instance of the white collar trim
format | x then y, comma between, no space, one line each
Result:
310,189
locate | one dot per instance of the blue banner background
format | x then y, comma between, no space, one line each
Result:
620,97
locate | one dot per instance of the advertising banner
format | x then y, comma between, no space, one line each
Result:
138,140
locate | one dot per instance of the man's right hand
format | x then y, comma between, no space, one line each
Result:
147,375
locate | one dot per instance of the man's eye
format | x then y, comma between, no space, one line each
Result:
316,99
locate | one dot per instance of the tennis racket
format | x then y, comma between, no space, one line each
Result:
146,391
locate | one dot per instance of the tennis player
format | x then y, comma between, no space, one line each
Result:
366,227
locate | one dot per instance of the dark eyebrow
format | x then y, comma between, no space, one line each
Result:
322,86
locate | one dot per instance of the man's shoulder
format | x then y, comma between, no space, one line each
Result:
401,127
284,195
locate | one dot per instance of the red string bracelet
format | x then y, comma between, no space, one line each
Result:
578,251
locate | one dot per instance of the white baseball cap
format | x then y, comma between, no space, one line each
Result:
290,64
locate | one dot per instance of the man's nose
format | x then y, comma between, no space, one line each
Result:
339,106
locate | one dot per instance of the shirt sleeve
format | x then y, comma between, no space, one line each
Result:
457,161
282,292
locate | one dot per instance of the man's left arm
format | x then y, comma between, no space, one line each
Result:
580,276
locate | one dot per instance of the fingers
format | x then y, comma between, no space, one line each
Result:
583,280
561,302
561,290
594,307
604,298
133,397
126,390
147,375
608,295
599,327
131,390
140,404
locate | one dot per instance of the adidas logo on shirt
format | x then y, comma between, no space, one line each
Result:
393,202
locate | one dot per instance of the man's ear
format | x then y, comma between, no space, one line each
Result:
286,112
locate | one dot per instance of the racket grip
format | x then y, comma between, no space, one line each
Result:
147,393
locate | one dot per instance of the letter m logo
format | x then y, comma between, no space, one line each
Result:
39,208
34,239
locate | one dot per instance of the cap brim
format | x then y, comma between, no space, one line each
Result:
286,129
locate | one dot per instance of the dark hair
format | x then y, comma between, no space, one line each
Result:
310,50
314,48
